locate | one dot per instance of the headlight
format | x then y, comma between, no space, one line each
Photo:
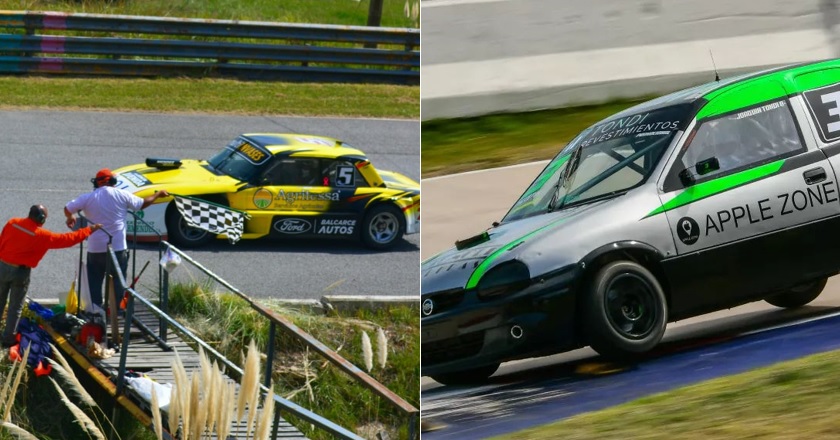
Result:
504,279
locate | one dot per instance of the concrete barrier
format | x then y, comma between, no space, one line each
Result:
488,56
349,304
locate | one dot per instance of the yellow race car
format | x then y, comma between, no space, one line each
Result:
290,185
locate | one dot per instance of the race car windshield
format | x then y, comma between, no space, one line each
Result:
605,160
240,159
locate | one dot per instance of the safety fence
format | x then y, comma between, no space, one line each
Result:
276,323
166,47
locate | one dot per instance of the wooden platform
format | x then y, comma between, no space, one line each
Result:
145,356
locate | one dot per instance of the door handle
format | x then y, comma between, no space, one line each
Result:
815,175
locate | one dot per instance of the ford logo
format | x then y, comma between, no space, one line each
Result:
428,307
292,226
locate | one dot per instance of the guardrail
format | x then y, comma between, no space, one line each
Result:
275,322
287,52
279,322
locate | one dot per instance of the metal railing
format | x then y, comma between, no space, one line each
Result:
276,321
287,52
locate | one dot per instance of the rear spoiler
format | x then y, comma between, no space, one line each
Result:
163,164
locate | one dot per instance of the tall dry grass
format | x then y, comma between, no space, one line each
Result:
204,401
7,397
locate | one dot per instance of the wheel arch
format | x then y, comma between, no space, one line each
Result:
386,202
636,251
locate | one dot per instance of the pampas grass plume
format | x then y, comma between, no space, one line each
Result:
71,380
367,351
267,415
204,367
253,411
18,432
381,347
250,380
212,397
13,392
226,410
201,417
80,415
176,407
195,405
156,419
66,372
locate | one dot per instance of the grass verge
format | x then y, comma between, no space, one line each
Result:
228,323
457,145
219,96
345,12
791,400
211,96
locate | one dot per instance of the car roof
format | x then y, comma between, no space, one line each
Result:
292,142
699,95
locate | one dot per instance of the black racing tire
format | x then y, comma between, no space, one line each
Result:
473,376
382,227
626,311
798,296
183,235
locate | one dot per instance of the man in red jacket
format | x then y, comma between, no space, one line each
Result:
23,243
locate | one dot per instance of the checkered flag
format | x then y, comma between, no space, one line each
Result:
211,217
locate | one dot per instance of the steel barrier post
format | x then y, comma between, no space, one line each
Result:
164,305
272,332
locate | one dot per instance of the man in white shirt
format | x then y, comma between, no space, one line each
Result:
109,206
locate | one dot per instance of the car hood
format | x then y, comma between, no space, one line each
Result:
458,269
192,177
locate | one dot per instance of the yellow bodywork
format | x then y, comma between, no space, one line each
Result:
264,203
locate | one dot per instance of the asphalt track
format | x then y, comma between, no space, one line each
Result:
552,393
49,157
535,391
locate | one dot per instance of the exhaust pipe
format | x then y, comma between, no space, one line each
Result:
516,332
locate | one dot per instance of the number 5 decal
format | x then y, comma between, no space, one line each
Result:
346,176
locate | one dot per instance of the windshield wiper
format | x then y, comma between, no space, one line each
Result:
565,179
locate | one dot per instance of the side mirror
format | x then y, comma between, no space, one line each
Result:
689,176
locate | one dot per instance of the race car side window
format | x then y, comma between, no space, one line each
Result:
342,174
293,171
741,139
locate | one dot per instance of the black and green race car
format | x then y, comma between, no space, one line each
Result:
697,201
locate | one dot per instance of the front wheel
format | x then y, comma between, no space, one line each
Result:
382,227
799,295
626,311
467,377
182,234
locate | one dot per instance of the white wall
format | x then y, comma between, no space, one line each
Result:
486,56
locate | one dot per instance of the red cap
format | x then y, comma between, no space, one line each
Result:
104,173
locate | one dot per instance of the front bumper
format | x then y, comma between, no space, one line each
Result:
412,218
469,333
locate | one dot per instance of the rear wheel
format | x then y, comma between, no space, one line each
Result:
467,377
182,234
626,310
382,227
799,295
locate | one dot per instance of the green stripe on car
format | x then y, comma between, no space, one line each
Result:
775,85
717,186
482,268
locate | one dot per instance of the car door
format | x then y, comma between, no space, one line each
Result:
743,199
303,196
